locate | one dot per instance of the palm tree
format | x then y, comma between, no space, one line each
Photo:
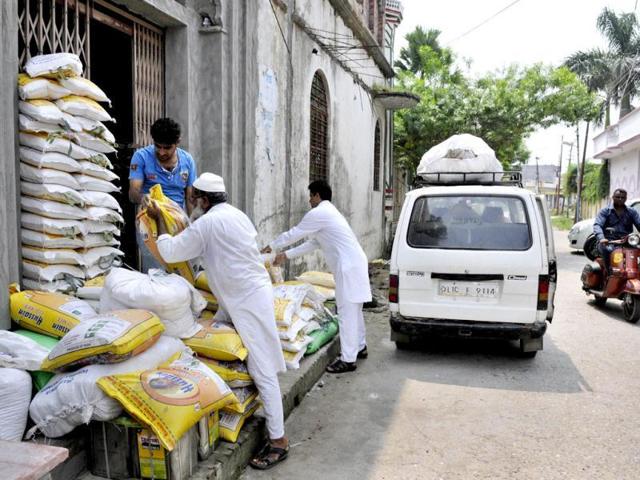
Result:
614,72
411,58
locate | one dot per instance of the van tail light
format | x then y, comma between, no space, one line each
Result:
393,288
543,292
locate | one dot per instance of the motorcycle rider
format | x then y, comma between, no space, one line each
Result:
614,222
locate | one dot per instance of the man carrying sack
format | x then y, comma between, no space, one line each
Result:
225,239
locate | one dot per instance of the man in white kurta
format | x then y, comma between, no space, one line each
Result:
225,239
324,227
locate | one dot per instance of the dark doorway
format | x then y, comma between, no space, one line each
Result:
111,69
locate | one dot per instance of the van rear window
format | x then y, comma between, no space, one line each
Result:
469,223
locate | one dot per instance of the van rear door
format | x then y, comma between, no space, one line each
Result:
551,253
470,257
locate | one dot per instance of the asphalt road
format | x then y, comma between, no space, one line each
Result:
468,410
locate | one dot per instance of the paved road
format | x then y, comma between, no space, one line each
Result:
476,410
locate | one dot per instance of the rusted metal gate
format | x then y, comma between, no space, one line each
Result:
318,130
52,26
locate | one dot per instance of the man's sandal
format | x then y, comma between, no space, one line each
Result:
269,457
338,366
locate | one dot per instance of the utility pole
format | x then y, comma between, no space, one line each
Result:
537,176
568,202
559,177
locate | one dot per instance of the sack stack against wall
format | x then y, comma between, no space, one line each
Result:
69,217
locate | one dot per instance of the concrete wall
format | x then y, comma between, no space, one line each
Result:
283,169
9,253
625,173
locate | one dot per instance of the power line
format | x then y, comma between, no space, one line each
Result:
483,22
280,28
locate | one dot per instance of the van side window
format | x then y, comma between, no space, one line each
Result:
469,222
544,224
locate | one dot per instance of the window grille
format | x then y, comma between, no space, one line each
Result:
318,162
376,158
53,26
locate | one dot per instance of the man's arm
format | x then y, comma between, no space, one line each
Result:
135,191
599,224
186,245
306,247
307,226
188,200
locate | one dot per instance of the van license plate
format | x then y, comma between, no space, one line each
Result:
468,289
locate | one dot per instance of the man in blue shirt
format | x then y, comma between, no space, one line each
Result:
165,164
614,222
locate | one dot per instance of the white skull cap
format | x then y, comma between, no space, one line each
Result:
209,182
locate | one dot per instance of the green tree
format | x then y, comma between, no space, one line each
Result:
503,109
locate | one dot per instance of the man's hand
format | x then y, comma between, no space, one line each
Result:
280,259
266,249
604,241
153,210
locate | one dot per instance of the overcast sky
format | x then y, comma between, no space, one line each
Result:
528,31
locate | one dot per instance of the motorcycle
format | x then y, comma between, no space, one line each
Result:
623,279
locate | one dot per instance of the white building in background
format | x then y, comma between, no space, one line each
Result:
620,144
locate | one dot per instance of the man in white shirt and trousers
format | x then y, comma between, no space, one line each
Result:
326,228
225,239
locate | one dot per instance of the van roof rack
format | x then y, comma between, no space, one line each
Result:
513,178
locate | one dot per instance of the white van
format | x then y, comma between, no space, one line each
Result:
473,261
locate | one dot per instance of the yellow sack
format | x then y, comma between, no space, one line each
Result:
324,279
109,338
245,396
169,399
219,341
201,281
50,313
176,221
285,311
231,423
212,301
234,373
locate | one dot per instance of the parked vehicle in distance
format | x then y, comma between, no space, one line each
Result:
473,261
581,235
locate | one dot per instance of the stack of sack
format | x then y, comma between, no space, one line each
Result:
69,218
102,364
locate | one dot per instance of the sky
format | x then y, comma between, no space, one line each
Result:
526,32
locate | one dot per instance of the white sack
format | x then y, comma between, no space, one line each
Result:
99,227
50,209
44,88
169,296
56,193
15,394
101,199
52,256
58,286
84,88
52,226
103,257
42,110
47,175
54,64
459,153
94,240
50,273
44,240
28,124
18,351
71,399
94,143
88,182
43,143
83,107
97,128
101,214
95,170
53,160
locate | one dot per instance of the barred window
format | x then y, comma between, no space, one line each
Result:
376,158
318,125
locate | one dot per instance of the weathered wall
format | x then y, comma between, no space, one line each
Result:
351,131
625,173
9,253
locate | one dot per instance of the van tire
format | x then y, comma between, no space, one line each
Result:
403,345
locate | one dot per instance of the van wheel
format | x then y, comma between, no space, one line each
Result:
528,354
631,308
403,345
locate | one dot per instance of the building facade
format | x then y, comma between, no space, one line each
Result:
269,93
